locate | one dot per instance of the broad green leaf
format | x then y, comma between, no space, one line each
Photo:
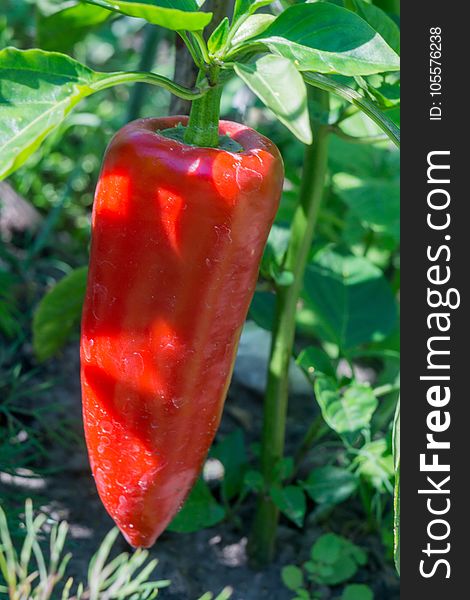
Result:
247,7
292,577
172,14
37,91
325,38
219,36
348,411
375,202
396,495
58,314
291,502
199,511
232,454
357,591
330,485
354,97
276,81
254,25
351,298
379,21
62,29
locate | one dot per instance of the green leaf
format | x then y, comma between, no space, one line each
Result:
277,83
62,29
379,21
357,591
199,511
345,412
262,309
291,502
330,485
38,90
172,14
219,36
351,298
253,481
327,549
314,360
325,38
232,454
396,494
355,98
247,7
375,202
375,464
59,313
292,577
252,26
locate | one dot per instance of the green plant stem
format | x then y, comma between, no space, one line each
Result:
276,398
203,124
147,57
152,78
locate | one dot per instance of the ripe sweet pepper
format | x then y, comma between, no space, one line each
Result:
178,233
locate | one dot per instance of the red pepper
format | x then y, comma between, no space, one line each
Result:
178,233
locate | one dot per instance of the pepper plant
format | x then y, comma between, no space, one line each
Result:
312,64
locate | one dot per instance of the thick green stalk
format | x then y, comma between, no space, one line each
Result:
203,124
276,398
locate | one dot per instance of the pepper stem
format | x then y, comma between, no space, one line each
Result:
203,124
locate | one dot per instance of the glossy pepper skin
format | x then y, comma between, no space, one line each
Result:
177,237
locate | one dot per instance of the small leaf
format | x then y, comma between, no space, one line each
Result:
277,83
343,569
284,469
330,485
59,313
247,7
345,412
313,360
327,549
291,502
199,511
375,464
357,591
219,36
252,26
253,481
172,14
325,38
292,577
